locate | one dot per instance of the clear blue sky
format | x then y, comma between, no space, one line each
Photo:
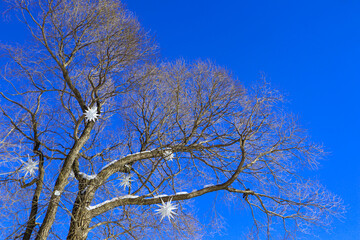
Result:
310,50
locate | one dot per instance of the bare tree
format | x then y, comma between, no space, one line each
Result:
97,133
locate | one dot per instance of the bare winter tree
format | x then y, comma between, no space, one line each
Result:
98,135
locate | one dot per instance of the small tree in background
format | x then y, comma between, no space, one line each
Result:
99,138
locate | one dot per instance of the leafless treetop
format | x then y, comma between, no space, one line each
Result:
175,130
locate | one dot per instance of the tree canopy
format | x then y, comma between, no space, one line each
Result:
101,138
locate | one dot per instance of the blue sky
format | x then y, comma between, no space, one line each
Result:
309,50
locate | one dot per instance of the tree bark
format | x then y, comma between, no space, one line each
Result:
35,202
61,183
80,219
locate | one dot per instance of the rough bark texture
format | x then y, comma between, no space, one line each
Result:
61,183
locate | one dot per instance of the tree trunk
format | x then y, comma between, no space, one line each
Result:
80,219
61,183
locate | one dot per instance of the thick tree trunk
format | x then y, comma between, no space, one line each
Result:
61,183
81,218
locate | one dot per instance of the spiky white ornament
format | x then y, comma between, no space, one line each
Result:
166,210
30,166
125,180
91,114
168,155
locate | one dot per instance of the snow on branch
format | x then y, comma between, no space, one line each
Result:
180,193
109,164
111,200
88,177
167,154
135,200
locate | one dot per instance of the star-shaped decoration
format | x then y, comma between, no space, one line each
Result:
125,180
30,166
168,155
166,210
91,114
